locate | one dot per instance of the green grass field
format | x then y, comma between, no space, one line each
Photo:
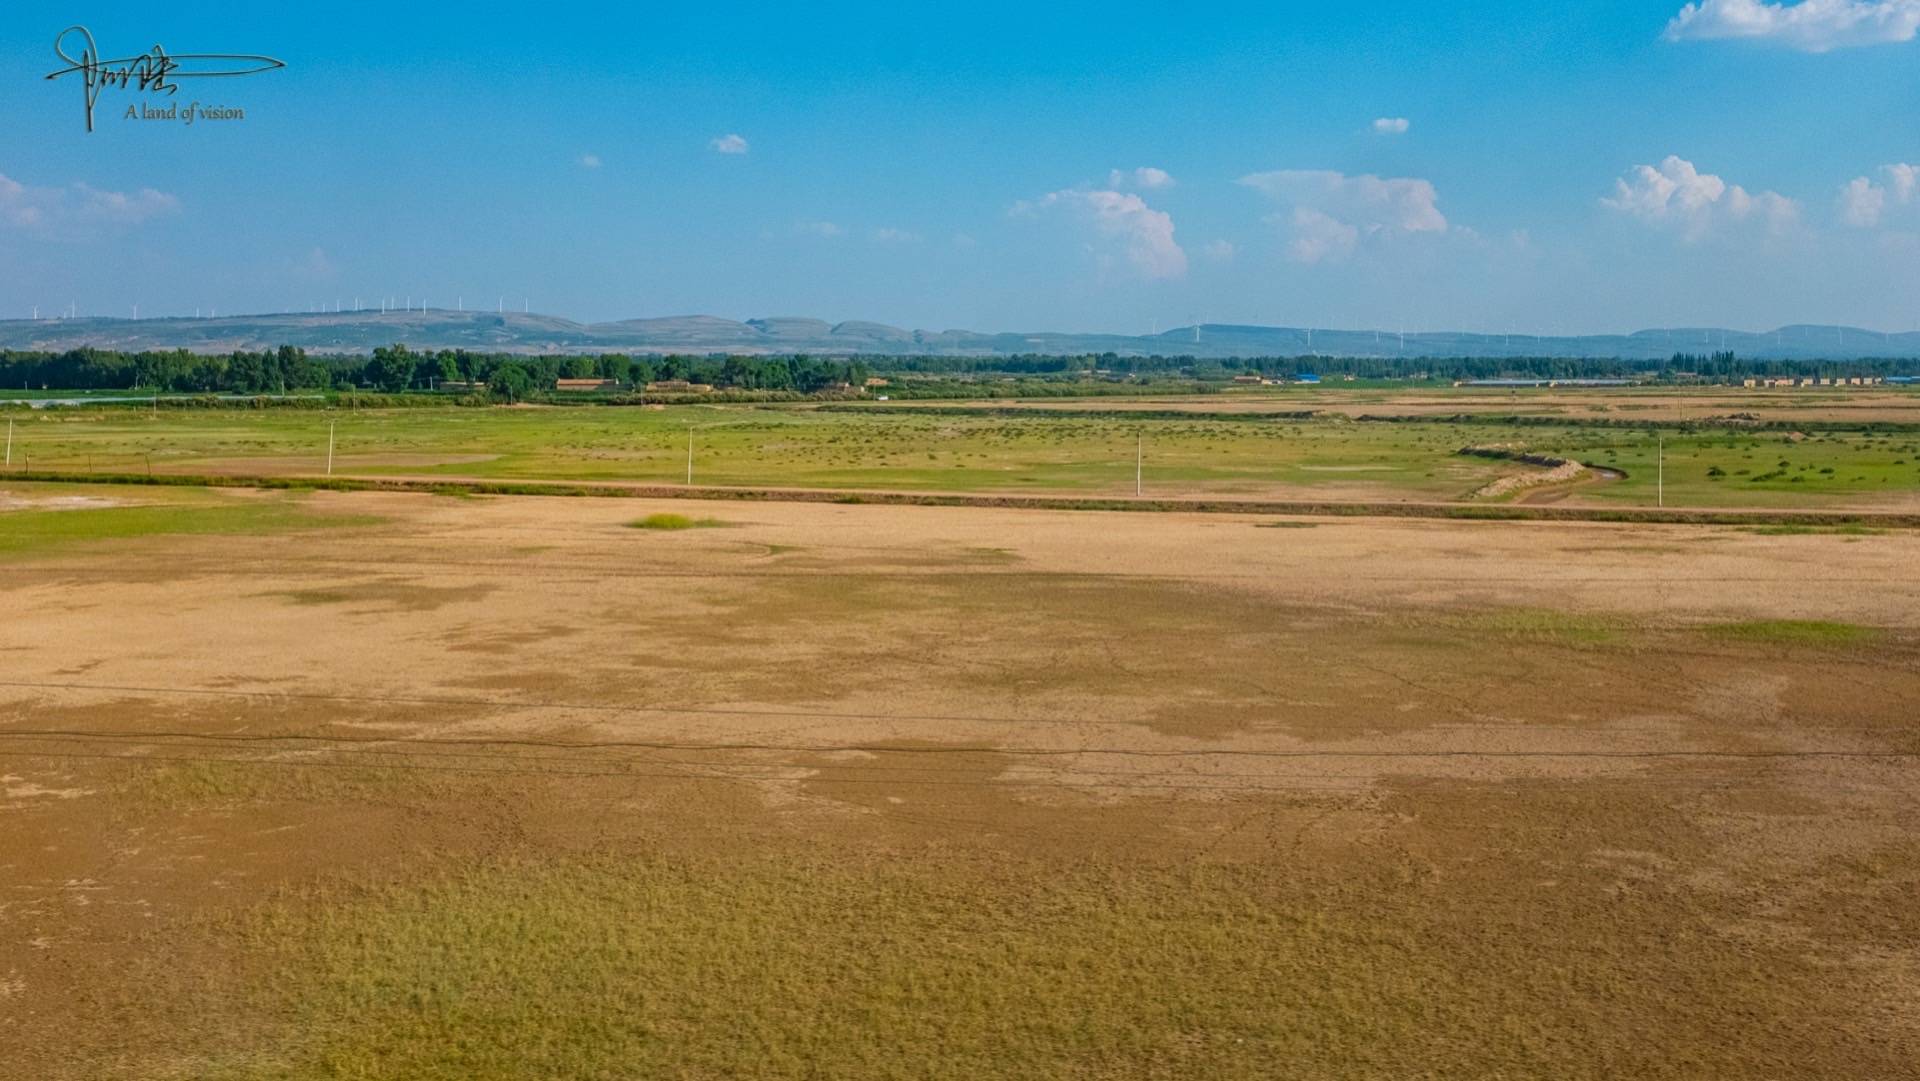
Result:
987,453
44,530
1737,468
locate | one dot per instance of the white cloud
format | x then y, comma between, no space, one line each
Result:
590,161
1318,237
12,200
1144,234
78,208
1814,26
1146,177
1863,202
1776,210
1678,194
1391,125
315,265
822,230
1220,251
1329,214
729,144
1902,179
895,236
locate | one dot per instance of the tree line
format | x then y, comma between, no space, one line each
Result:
396,369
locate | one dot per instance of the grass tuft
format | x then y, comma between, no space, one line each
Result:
674,521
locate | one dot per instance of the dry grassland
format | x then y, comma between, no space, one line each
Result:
402,786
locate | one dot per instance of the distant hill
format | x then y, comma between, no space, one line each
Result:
360,332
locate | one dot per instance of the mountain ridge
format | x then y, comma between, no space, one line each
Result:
535,333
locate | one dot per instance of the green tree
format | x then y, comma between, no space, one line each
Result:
391,369
510,382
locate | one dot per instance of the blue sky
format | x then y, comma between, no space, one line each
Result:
1481,165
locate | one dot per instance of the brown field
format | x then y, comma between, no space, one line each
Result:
1847,405
378,785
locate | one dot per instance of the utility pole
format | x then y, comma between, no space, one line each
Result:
1660,469
9,442
689,455
1139,460
330,425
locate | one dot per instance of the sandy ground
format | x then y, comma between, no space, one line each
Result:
1502,704
34,501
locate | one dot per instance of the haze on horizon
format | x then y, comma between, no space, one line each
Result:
1487,166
